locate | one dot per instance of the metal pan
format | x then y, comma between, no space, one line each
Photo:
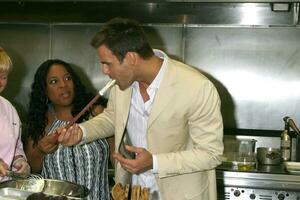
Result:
268,156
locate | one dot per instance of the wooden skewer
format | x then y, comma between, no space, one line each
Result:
100,93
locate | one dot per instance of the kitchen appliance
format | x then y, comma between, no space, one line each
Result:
257,185
264,182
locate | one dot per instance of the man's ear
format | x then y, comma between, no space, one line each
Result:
131,58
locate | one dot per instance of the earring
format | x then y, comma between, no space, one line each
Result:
47,100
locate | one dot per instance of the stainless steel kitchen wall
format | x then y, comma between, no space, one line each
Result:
255,66
28,46
31,44
255,69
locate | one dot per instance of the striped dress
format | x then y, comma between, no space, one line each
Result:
85,165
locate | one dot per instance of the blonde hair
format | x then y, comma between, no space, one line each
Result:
5,62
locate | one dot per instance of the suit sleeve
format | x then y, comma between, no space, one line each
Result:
102,125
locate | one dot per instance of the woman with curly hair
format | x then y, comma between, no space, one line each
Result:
57,96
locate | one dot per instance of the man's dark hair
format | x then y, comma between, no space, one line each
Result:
122,36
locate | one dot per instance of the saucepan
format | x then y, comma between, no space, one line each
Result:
268,156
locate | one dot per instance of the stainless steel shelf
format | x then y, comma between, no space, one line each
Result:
161,1
210,12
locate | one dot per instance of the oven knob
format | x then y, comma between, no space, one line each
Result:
281,196
237,193
252,196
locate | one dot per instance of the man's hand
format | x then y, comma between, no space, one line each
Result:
70,136
141,163
3,168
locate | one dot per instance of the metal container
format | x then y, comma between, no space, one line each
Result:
240,154
239,146
268,156
53,187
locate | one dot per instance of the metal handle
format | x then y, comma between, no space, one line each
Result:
293,125
272,155
290,122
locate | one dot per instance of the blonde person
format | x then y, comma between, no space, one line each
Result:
12,156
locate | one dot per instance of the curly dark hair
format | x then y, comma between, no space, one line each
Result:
38,104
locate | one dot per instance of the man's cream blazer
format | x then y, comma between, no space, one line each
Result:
185,132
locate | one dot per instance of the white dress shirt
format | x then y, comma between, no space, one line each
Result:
138,122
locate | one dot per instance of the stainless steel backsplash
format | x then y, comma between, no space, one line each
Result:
254,64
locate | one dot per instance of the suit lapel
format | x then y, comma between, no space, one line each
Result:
125,109
165,93
125,98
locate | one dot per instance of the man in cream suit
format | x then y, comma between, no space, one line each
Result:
169,111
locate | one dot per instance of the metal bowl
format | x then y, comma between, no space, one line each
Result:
268,156
54,187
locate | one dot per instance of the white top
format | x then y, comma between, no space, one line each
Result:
138,122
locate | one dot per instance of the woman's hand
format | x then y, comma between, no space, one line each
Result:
3,168
70,136
21,165
48,144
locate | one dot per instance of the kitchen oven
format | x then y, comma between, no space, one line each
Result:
268,183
